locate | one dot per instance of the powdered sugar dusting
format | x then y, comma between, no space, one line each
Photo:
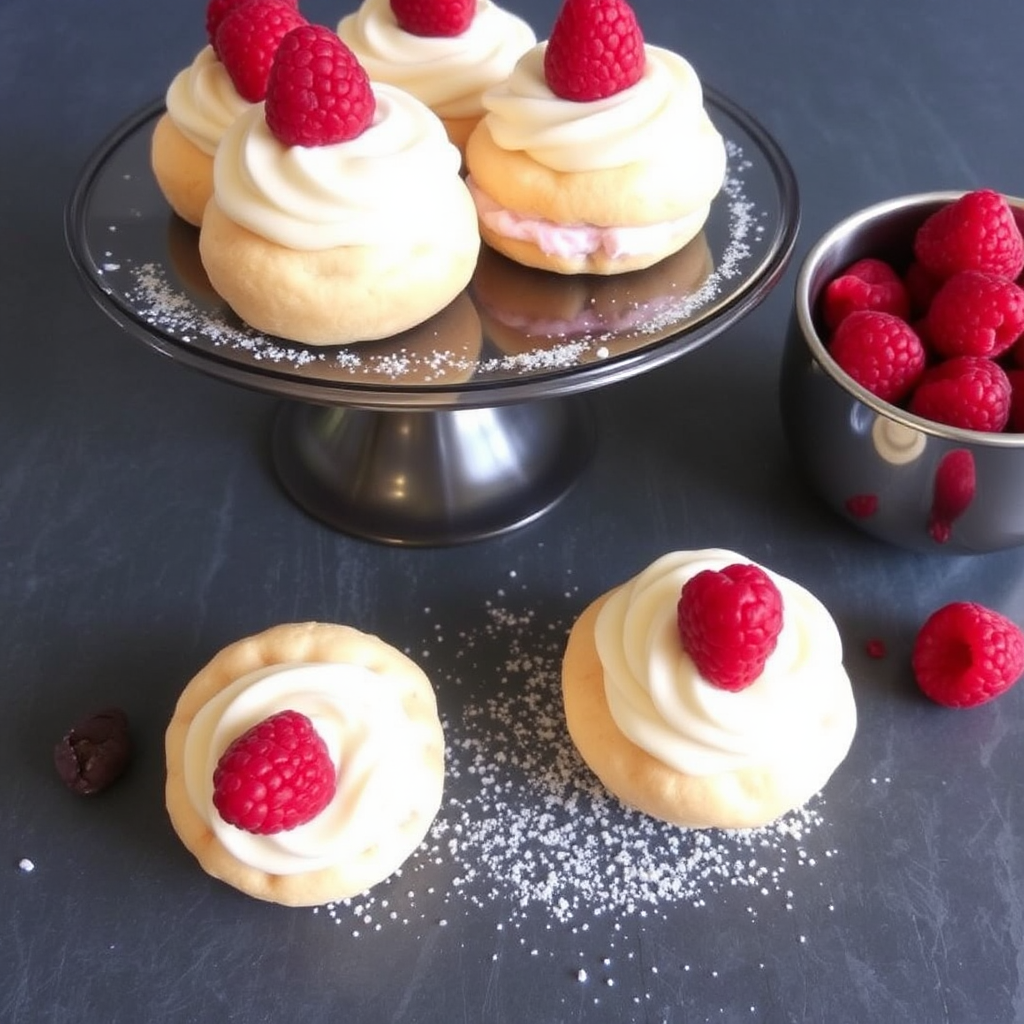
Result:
162,306
526,829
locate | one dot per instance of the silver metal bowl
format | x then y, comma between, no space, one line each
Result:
903,479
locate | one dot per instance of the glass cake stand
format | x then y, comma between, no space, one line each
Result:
474,422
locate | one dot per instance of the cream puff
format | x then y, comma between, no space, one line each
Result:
446,65
355,233
673,743
603,185
373,714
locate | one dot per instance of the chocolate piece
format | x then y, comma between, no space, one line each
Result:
94,752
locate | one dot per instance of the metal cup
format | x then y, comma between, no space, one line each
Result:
903,479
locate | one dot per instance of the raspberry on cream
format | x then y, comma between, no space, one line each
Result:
356,716
400,176
334,223
447,73
662,704
681,748
374,745
662,116
604,185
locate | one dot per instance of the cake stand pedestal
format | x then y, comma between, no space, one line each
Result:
430,477
475,422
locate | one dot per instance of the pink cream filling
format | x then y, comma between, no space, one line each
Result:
573,240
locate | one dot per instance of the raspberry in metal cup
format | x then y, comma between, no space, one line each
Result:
885,467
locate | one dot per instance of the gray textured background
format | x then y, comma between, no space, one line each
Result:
141,528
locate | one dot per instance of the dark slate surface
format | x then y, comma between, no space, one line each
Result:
141,528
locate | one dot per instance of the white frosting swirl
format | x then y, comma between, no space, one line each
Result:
661,115
661,702
202,101
372,742
400,176
447,73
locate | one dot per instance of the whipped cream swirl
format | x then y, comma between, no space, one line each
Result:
447,73
202,101
662,115
399,177
374,745
661,702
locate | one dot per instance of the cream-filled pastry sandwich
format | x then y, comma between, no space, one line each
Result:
597,154
336,220
203,100
446,54
305,764
690,718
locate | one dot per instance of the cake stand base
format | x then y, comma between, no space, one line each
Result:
433,477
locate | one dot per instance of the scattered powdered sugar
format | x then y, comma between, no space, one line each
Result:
159,302
162,306
526,829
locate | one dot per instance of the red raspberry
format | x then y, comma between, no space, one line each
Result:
596,49
977,232
952,492
729,623
1016,421
247,40
880,352
866,284
966,654
318,93
217,10
274,777
975,314
921,288
434,17
1018,352
967,391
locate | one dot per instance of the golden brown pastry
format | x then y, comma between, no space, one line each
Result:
340,242
376,713
201,102
674,745
601,186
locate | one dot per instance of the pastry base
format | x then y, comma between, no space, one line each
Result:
341,295
307,642
636,194
182,170
744,798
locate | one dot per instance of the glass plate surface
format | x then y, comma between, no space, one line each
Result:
514,334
